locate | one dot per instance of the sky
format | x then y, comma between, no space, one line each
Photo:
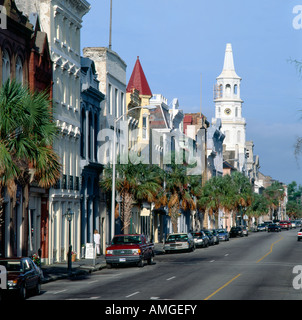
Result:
181,46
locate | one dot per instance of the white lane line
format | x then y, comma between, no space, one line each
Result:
212,261
171,278
93,281
226,254
132,294
57,292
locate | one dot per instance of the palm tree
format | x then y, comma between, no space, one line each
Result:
136,184
176,193
258,207
27,132
274,194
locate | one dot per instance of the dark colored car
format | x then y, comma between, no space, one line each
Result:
236,231
200,239
274,228
215,235
210,236
22,275
223,234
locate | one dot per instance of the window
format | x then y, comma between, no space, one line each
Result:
144,127
110,99
235,89
19,70
5,66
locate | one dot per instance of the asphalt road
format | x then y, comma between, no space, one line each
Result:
257,267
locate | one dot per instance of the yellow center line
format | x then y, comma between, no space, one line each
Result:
210,296
271,249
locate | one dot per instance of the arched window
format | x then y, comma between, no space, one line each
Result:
235,89
5,66
19,70
228,90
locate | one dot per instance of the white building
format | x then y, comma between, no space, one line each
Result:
228,107
62,21
111,73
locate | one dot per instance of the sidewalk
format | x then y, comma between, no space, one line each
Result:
80,267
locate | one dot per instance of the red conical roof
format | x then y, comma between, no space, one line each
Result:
138,80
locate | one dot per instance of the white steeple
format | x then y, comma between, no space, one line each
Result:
228,108
228,67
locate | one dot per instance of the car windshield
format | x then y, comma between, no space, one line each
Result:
126,239
14,265
221,231
177,237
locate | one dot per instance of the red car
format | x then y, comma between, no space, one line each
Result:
129,249
284,224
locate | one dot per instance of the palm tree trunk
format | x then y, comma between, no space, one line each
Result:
127,211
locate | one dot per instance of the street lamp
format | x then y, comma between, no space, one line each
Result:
149,107
68,215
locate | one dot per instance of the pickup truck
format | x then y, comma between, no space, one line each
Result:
129,249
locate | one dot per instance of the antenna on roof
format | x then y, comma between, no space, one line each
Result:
110,29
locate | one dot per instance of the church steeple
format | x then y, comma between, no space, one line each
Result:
228,67
228,108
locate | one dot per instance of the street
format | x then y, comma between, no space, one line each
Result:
257,267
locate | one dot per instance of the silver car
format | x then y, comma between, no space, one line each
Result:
179,242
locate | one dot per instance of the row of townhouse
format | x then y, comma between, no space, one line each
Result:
90,96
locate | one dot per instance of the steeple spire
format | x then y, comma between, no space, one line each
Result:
228,67
138,80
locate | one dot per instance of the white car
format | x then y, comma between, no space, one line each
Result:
299,234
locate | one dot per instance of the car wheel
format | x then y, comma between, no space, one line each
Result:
109,265
150,260
141,263
38,288
23,292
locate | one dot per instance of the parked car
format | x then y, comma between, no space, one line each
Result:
215,235
129,249
284,224
298,223
245,231
179,242
273,227
23,275
236,231
223,234
293,223
200,239
210,236
289,224
300,235
261,227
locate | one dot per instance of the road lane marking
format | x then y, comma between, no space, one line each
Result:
226,254
132,294
271,249
212,260
57,292
171,278
210,296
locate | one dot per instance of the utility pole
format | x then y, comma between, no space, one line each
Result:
110,28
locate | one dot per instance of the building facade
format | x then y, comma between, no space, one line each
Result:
15,48
62,21
111,74
91,169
